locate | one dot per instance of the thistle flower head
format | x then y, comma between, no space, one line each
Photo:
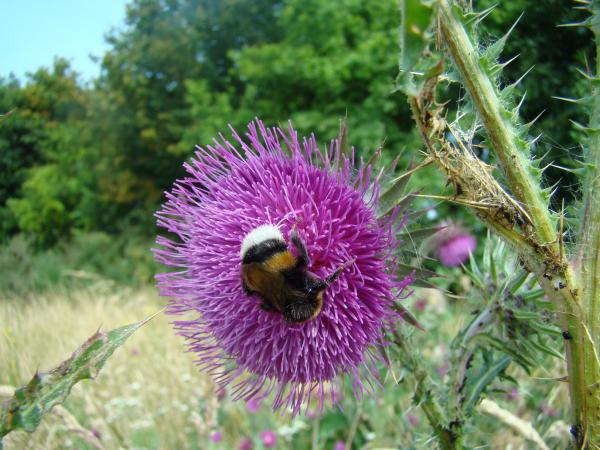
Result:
453,245
272,177
339,445
246,444
253,405
268,438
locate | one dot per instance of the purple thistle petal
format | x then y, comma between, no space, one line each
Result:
278,179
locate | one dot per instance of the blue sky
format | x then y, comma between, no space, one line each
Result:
33,32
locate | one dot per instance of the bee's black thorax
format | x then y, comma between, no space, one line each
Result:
261,252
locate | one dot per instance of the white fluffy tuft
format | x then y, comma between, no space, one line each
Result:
259,235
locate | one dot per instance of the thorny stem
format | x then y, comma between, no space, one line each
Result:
449,438
587,259
539,244
510,157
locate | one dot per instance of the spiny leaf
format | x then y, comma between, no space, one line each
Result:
400,206
393,194
407,316
518,280
487,376
419,273
546,329
419,235
479,16
533,295
492,52
507,347
46,390
525,315
544,348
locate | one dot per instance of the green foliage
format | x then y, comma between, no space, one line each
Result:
513,316
175,76
87,258
414,41
46,390
511,323
99,157
37,140
323,68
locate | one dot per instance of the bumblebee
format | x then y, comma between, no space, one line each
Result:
270,270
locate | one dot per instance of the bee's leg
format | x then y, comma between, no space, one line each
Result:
266,306
331,278
303,260
246,289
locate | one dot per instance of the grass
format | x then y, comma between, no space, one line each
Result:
76,263
149,395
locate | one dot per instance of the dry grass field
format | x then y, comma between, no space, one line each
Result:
149,394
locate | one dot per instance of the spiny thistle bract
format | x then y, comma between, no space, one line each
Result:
275,178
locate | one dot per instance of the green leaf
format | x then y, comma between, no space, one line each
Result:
46,390
487,376
419,235
518,281
510,349
419,273
414,39
521,314
545,348
394,194
416,17
534,294
545,328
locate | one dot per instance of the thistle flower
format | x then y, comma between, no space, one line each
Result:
456,251
216,436
253,405
274,178
453,245
246,444
339,445
268,438
413,420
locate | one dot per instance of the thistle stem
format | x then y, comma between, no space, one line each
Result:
587,259
588,255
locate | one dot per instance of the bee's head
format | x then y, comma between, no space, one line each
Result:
314,287
306,304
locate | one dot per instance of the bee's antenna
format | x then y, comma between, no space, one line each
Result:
331,278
